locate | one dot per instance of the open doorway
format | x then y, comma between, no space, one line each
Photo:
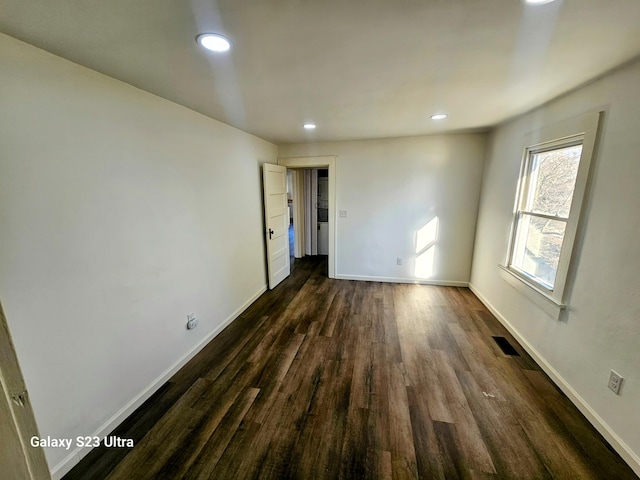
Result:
311,188
308,205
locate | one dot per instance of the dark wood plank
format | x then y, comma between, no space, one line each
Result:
329,379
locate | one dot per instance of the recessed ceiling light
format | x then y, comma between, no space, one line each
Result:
214,42
439,116
537,2
309,126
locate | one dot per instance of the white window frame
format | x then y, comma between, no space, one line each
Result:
578,130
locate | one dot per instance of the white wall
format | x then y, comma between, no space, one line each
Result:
392,188
601,328
120,213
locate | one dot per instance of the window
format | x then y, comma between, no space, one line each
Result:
553,178
547,185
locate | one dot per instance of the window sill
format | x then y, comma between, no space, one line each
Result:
546,302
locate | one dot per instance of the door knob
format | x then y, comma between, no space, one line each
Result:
271,232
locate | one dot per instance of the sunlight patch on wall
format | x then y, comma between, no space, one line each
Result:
426,238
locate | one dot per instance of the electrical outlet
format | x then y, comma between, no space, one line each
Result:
615,382
343,214
398,261
192,321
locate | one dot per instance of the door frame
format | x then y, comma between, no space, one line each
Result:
14,394
329,162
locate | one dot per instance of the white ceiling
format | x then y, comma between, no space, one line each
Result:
357,68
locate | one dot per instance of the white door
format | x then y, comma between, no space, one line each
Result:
277,223
18,459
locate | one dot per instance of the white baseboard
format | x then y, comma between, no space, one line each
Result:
79,453
605,430
364,278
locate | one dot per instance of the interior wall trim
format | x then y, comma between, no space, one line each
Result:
627,454
417,281
71,460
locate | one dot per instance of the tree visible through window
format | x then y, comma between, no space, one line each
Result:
547,187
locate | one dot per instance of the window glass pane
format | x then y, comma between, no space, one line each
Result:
537,247
552,179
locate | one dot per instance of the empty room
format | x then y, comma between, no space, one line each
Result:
319,240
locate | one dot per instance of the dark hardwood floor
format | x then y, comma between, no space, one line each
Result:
324,379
